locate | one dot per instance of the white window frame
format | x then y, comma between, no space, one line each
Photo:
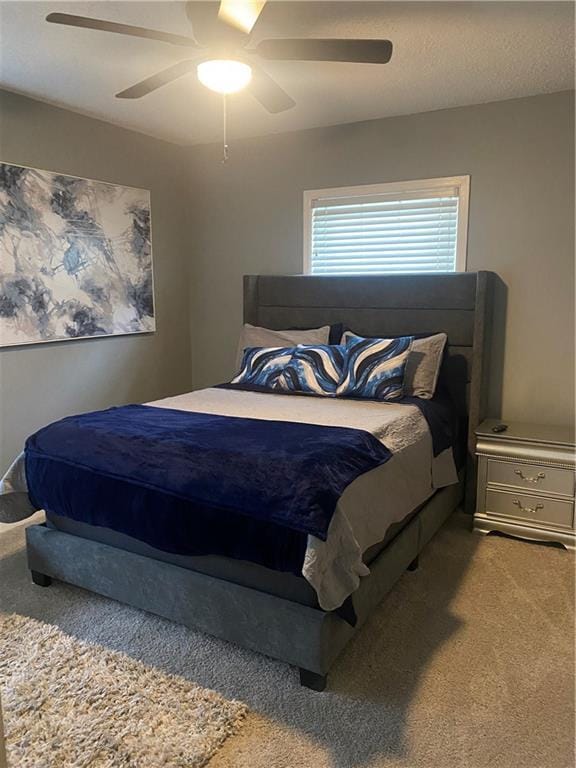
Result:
462,183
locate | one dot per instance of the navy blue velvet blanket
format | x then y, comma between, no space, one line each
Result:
158,474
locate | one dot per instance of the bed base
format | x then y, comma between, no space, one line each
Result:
306,637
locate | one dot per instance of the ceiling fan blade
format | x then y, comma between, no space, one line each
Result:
208,28
121,29
164,77
268,92
358,51
242,14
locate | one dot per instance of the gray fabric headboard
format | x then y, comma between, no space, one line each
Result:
390,305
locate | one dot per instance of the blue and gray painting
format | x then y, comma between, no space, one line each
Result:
75,258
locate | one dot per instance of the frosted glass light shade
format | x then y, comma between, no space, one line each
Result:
224,76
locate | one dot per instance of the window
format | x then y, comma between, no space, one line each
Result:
408,226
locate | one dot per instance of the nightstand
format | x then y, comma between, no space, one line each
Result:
526,482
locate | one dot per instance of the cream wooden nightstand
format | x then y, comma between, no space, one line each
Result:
526,482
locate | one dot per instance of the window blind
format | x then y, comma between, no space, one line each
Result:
404,232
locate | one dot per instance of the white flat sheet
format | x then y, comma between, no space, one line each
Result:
368,506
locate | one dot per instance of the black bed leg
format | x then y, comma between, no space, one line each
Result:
41,579
414,564
312,680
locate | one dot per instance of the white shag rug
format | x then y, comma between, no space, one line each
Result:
70,704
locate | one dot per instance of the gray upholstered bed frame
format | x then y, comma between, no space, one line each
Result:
311,639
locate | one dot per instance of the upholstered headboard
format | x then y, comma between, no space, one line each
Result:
390,305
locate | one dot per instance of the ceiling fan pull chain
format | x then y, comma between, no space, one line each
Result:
225,129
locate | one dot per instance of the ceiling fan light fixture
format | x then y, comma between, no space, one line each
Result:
224,75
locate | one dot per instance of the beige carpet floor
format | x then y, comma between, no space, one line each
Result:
468,663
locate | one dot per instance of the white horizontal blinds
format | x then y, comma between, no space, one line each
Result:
386,233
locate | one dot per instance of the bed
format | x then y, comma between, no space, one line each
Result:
307,618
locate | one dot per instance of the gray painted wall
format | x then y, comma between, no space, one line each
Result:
214,223
43,382
248,219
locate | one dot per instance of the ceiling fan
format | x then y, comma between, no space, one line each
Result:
221,33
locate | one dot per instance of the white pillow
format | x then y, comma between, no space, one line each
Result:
253,336
423,365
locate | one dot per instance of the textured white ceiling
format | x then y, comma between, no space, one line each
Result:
445,55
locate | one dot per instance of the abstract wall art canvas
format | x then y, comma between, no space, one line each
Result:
75,258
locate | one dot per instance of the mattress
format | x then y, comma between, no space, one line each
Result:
367,509
374,501
253,575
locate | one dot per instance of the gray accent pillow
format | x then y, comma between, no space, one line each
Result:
422,366
253,336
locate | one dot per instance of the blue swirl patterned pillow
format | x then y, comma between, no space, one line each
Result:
314,369
263,366
375,368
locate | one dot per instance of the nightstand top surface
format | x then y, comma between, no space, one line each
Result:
532,433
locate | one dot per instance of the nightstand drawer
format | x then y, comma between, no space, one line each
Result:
523,506
533,477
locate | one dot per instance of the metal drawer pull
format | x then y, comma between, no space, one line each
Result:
528,510
522,476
